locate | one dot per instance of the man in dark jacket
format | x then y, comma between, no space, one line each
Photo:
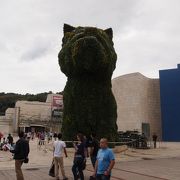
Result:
10,139
21,152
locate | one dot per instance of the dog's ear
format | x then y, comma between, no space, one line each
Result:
109,32
68,28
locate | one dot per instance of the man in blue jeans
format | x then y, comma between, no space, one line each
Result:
105,161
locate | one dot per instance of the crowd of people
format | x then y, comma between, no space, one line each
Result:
101,156
6,142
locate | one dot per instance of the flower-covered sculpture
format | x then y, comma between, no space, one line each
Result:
88,59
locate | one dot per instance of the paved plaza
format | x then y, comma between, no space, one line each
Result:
162,163
158,169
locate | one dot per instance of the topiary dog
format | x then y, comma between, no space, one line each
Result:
88,59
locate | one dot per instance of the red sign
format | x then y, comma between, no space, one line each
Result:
57,102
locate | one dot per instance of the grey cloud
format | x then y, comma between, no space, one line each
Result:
38,49
3,47
34,53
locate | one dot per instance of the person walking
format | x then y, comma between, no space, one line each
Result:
154,137
1,136
94,147
10,139
59,147
55,136
105,161
79,158
21,152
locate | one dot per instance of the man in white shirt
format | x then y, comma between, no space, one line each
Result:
59,147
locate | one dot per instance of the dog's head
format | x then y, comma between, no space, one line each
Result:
87,50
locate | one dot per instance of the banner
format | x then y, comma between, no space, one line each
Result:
57,105
57,102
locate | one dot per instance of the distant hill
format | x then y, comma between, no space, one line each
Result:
8,100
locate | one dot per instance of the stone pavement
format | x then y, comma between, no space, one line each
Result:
148,169
162,163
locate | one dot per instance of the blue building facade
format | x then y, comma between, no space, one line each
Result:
170,103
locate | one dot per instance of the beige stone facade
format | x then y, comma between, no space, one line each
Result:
138,103
32,116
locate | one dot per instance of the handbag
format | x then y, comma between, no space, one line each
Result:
92,178
26,160
51,170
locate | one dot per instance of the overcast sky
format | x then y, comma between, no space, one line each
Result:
146,38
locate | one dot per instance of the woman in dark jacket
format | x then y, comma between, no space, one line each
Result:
79,158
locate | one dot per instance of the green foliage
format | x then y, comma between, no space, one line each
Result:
6,101
88,59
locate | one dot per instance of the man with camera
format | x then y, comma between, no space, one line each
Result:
21,152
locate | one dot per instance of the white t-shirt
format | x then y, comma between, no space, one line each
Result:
59,146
